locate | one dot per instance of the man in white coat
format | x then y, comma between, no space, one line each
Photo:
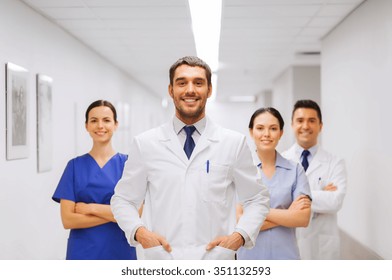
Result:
327,179
189,173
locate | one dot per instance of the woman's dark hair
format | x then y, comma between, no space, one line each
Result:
192,61
99,103
270,110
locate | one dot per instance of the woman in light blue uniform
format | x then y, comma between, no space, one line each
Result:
289,192
85,190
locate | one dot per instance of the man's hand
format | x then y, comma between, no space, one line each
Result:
149,239
232,242
330,187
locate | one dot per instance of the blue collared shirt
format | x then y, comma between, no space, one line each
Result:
279,243
312,152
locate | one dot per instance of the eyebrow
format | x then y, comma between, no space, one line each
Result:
302,118
98,118
179,79
258,124
184,78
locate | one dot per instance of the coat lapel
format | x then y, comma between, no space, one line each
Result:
169,139
317,161
210,135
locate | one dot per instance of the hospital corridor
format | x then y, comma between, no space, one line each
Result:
59,56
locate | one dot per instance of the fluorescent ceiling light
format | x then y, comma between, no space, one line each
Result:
206,24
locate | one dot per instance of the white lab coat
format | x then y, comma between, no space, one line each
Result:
320,240
183,202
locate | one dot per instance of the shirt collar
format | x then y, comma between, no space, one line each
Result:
179,125
312,150
280,162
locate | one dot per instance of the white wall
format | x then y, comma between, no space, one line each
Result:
356,101
30,220
307,83
282,100
233,115
296,82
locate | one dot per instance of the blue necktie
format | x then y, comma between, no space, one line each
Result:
189,143
305,162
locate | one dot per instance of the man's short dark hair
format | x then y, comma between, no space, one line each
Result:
308,104
191,61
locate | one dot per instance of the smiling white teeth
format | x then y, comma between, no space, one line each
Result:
189,100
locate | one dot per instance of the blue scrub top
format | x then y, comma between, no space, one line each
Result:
279,243
85,181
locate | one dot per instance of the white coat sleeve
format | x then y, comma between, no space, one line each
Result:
251,193
331,201
129,193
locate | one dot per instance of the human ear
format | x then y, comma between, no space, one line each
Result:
209,91
170,90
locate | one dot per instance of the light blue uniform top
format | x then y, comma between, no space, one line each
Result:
279,243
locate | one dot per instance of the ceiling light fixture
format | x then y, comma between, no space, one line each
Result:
206,25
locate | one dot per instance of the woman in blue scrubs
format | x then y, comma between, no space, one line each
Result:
85,190
289,192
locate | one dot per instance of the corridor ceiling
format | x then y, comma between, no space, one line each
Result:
259,38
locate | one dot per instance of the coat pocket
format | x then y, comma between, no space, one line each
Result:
214,183
157,253
219,253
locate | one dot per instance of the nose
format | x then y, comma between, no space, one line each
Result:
266,132
100,124
190,88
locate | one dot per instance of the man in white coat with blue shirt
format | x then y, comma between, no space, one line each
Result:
189,173
327,179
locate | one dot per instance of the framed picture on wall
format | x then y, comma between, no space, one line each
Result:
44,123
17,112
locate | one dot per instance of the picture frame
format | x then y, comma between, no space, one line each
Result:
44,122
17,112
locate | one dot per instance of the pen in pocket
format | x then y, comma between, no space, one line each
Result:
208,166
